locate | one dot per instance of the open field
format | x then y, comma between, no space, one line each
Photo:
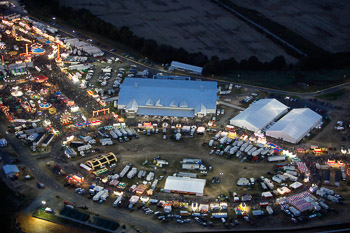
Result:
325,23
196,26
289,80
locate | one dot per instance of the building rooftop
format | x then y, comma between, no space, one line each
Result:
164,97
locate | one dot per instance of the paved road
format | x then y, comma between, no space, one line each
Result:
53,188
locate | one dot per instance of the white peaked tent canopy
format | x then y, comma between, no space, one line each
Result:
173,104
295,125
159,103
184,185
149,102
201,109
132,105
259,114
183,104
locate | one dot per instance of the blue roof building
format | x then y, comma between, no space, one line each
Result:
10,170
165,97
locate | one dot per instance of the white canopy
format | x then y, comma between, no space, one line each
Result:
295,125
184,184
259,114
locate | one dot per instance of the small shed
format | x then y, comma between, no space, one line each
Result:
3,142
10,170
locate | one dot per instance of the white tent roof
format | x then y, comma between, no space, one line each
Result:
295,125
184,184
259,114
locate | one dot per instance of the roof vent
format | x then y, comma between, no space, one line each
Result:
201,88
136,85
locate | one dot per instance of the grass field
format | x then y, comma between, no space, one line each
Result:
196,26
286,80
324,23
332,96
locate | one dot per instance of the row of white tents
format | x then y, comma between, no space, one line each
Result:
292,127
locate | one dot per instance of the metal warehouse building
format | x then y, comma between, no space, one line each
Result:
184,185
175,65
173,98
295,125
259,114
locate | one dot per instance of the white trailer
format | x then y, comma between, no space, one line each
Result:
264,151
124,171
269,183
250,152
154,184
227,148
113,134
223,140
117,131
323,205
294,211
257,152
106,142
276,158
269,210
139,175
104,195
178,136
99,195
128,131
116,202
150,176
123,131
250,146
258,212
85,147
132,173
244,146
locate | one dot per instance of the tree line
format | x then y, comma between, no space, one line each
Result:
161,53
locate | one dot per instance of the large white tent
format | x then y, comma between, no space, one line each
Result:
184,185
259,114
295,125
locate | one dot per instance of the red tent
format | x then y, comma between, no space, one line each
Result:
40,79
